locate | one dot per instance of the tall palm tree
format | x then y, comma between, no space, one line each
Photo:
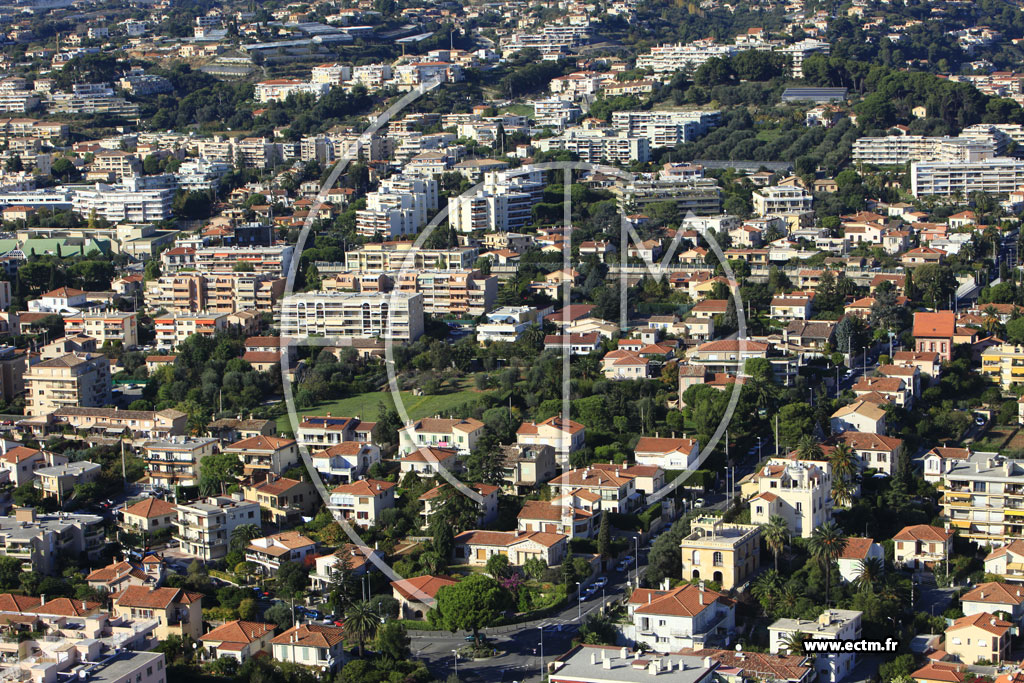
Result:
871,569
808,448
766,589
794,642
775,533
991,321
361,623
242,534
843,462
827,545
842,492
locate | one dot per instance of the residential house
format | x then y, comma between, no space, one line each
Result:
616,489
920,545
117,576
60,481
360,560
524,468
799,491
428,461
415,596
238,640
178,612
995,598
475,547
979,638
832,624
857,551
564,436
859,416
270,552
458,434
667,453
203,528
175,461
685,617
346,461
877,452
940,460
282,499
21,462
576,515
728,554
361,502
933,333
488,503
150,515
262,454
1007,561
314,645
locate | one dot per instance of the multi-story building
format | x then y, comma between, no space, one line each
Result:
834,624
77,379
40,541
263,454
564,436
525,467
685,617
397,316
146,423
921,546
177,612
896,150
1004,364
799,491
273,260
321,431
176,461
667,59
203,528
996,176
173,330
728,554
458,434
400,206
361,502
399,256
666,128
21,463
700,196
60,481
279,89
451,293
283,500
270,552
215,293
149,515
130,202
600,145
113,327
982,496
981,638
616,489
781,200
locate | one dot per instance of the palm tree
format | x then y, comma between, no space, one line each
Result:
991,321
361,623
241,536
827,545
843,462
794,642
766,589
842,492
871,569
808,448
775,533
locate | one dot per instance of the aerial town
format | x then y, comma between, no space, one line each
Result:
568,341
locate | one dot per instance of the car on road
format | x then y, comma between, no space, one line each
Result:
980,420
698,503
600,583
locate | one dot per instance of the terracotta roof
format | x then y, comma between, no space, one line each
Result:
857,548
311,635
277,486
982,620
861,407
17,603
365,487
63,293
555,421
420,587
866,441
280,544
650,444
922,532
760,666
117,571
65,607
996,593
934,325
436,425
154,598
947,672
261,443
238,631
1016,547
430,454
946,452
19,453
731,345
685,601
507,539
151,507
549,511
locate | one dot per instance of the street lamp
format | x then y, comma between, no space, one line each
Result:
636,559
541,629
579,602
759,449
455,653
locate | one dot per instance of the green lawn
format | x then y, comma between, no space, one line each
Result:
518,109
366,406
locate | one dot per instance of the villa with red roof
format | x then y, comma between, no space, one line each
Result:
1007,561
858,550
415,595
262,454
667,453
685,617
361,502
920,546
565,436
933,332
475,547
311,645
238,640
458,434
177,611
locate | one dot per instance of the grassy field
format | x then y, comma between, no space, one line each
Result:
518,109
367,406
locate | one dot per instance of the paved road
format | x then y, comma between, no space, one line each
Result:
519,644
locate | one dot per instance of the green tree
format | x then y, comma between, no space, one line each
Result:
361,623
498,566
217,470
473,603
795,420
604,538
936,283
775,533
393,641
826,545
292,579
870,571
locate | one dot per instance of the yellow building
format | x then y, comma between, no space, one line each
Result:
1004,364
979,638
77,379
728,554
177,611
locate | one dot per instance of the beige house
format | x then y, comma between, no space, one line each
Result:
152,424
979,638
617,490
282,499
859,416
413,594
238,640
799,491
577,515
77,379
488,504
21,463
177,611
175,461
115,577
920,546
728,554
262,454
565,436
311,645
1007,561
150,514
60,481
270,552
361,502
428,461
476,546
526,467
108,327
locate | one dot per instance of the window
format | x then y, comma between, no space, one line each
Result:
717,559
799,507
760,509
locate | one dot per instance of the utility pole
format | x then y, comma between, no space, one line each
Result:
776,435
124,471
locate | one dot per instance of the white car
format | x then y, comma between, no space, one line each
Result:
699,503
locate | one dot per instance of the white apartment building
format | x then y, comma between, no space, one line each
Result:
397,315
685,617
554,112
332,74
600,145
801,50
666,59
279,89
982,496
398,256
834,624
799,491
400,206
996,176
892,150
203,528
173,330
125,203
506,324
76,379
700,196
665,128
781,200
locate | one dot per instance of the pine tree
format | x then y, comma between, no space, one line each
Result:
604,538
